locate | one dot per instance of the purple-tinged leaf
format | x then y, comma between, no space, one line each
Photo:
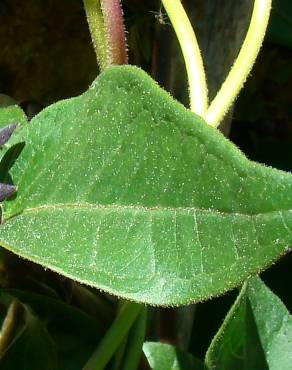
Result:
6,133
6,191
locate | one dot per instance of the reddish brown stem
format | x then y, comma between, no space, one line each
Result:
115,32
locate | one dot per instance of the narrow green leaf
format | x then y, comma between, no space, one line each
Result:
124,189
256,334
166,357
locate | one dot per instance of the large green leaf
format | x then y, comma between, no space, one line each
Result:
166,357
256,334
124,189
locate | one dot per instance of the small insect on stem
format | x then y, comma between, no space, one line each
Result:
6,133
6,191
160,17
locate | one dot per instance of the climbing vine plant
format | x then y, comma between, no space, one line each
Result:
125,190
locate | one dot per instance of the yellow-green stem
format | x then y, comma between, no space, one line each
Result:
114,336
243,64
135,342
97,30
192,55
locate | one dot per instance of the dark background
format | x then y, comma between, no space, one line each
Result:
46,55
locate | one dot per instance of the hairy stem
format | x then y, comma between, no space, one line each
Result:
192,55
97,30
115,32
243,64
114,336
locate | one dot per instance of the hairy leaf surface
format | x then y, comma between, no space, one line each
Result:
124,189
11,114
256,334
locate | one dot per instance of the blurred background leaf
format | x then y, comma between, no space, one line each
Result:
166,357
280,27
64,333
256,333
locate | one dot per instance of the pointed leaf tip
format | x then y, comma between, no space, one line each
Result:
6,133
125,190
6,191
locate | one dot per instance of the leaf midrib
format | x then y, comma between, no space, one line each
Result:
120,207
